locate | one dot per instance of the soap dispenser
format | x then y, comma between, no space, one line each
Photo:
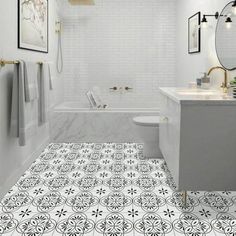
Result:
205,81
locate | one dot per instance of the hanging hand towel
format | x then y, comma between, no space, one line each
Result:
18,122
42,100
24,114
49,76
31,84
44,84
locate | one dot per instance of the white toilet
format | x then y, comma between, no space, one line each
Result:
148,129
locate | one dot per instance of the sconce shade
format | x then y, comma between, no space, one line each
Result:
228,20
204,19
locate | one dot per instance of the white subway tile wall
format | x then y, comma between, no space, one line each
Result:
118,43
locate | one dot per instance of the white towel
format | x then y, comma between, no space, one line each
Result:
49,76
17,77
42,100
31,84
44,84
23,114
18,104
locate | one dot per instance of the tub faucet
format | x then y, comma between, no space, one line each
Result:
128,88
225,83
114,88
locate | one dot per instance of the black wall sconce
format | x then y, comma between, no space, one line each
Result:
204,18
228,20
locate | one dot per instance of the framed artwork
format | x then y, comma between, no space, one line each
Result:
33,25
194,33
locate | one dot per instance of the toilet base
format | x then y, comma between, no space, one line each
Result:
149,134
151,150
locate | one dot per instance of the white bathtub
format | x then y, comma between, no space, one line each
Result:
71,123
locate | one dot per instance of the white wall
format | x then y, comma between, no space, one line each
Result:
189,67
120,43
14,159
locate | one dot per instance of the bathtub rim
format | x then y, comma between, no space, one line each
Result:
63,107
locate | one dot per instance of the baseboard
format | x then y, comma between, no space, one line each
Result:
18,173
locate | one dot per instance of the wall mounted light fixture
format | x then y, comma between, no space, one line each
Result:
204,18
228,20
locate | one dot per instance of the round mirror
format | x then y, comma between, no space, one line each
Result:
226,37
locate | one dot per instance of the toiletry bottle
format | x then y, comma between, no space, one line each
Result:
199,82
205,81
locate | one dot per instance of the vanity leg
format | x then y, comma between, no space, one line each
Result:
185,198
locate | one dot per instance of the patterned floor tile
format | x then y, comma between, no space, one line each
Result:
153,224
8,223
223,223
36,224
101,191
82,202
176,203
149,202
163,191
215,202
114,224
109,189
71,223
191,224
115,202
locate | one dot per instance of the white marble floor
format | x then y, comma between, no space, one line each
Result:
108,189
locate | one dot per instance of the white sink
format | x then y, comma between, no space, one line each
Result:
194,95
196,92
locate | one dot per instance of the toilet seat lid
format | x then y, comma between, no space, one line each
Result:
147,120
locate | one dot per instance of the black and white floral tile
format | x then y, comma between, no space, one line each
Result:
109,189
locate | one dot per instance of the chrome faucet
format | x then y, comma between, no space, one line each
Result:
225,83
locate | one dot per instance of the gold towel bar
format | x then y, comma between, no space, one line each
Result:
3,62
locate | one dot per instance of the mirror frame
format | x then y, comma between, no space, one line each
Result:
218,22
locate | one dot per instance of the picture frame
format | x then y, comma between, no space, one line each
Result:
194,33
33,25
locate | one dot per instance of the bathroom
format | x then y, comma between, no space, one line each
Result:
125,124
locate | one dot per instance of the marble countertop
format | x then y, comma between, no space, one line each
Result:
198,96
